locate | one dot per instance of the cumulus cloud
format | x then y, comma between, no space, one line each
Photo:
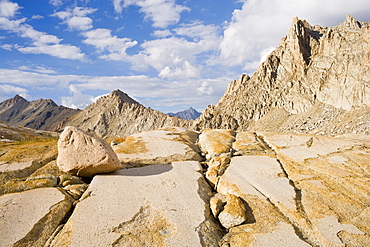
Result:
205,88
76,18
43,43
78,100
260,24
162,33
8,9
177,57
8,91
161,12
103,40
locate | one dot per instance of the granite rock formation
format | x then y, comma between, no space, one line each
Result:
316,81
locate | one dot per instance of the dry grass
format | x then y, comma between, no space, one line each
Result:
131,145
32,148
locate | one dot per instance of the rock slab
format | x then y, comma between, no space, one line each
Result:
84,154
157,205
30,217
161,146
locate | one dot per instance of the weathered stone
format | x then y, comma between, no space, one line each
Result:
76,190
234,212
157,205
216,204
213,143
85,155
30,183
317,183
29,218
247,143
216,168
161,146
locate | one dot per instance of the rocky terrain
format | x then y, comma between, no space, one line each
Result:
189,114
177,187
316,81
40,114
242,174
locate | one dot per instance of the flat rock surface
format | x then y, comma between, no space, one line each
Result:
161,146
29,218
157,205
316,185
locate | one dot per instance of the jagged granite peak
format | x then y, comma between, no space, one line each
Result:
123,96
119,115
313,82
189,114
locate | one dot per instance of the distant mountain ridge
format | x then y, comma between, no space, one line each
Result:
189,114
117,114
43,114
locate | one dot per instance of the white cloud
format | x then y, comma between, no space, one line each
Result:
103,40
56,2
37,17
8,9
8,91
161,12
162,33
76,18
177,57
262,23
42,43
78,100
38,69
205,88
7,47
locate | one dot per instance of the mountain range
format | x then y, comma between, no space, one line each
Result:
189,114
316,81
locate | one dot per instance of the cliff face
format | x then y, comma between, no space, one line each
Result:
119,115
41,114
316,81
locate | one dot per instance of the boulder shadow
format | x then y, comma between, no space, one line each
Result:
148,170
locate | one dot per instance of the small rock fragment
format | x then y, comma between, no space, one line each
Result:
234,212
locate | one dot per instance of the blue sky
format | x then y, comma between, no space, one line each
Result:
167,54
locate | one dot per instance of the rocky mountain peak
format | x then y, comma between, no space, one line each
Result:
319,73
122,96
43,103
351,23
12,101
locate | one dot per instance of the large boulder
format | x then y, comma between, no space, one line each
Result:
84,154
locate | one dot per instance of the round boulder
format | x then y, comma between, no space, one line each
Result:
83,154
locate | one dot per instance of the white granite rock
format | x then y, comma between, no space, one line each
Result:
161,146
29,218
156,205
84,154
